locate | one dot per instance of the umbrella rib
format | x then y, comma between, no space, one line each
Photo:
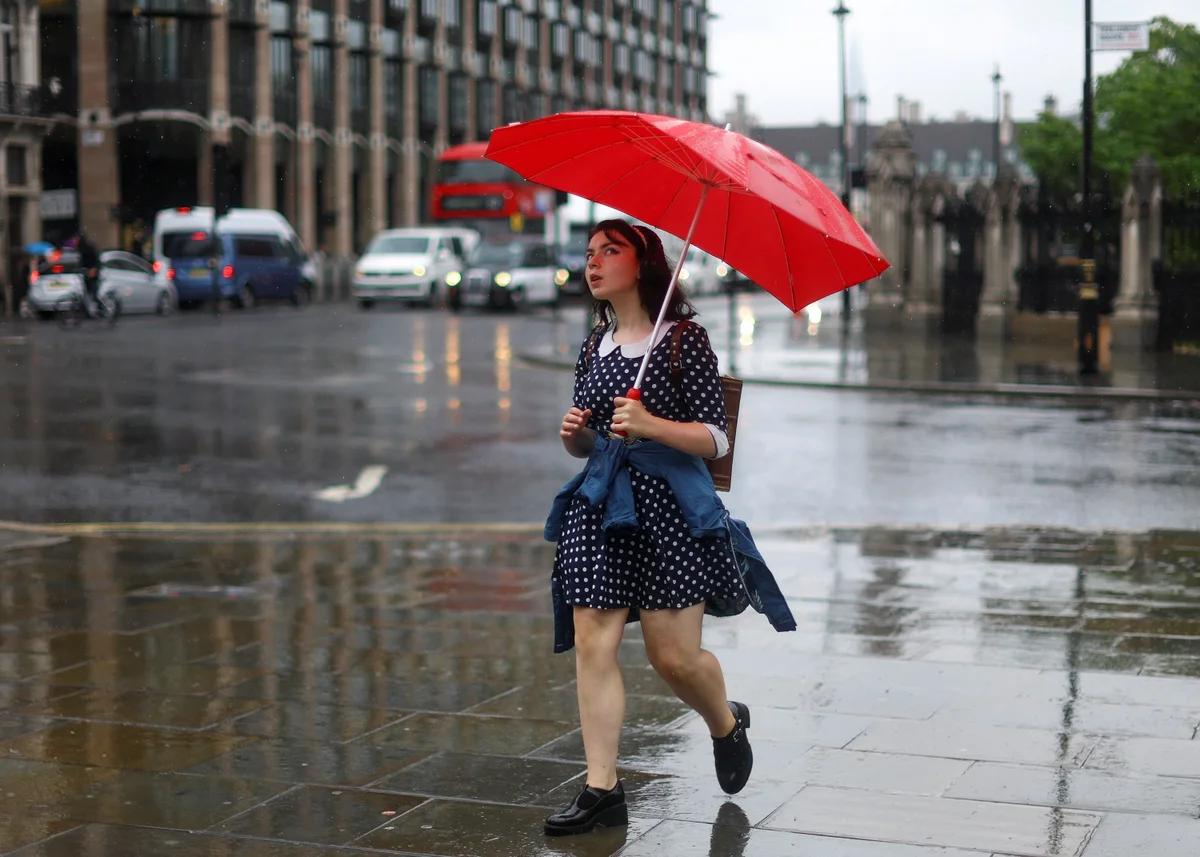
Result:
786,258
674,196
620,179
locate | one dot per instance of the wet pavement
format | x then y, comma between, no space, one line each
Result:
997,691
331,414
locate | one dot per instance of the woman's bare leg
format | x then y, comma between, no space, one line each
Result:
673,647
601,690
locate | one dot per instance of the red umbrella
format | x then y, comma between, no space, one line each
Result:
727,194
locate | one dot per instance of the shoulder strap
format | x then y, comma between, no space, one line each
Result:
676,359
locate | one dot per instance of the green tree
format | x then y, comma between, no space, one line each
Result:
1149,104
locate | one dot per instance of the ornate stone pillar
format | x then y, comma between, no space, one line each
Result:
263,154
306,172
891,170
998,300
377,173
1136,308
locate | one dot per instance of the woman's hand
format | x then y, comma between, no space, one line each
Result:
631,417
574,421
576,436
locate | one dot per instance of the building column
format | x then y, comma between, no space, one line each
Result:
264,191
411,153
469,69
99,180
305,168
343,155
218,110
377,178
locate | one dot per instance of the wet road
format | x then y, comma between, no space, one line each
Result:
998,602
333,414
948,694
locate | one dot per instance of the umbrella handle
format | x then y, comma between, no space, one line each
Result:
631,393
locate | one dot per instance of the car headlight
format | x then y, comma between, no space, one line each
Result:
684,274
453,278
561,276
419,271
722,270
503,279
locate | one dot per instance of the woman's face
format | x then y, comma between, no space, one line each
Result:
612,265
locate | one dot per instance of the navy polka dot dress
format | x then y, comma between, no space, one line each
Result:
660,565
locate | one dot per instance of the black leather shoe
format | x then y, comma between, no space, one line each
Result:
593,808
732,754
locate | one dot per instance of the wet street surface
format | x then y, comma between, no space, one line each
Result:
273,585
329,413
1006,691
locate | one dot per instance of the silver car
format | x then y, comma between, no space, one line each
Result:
127,277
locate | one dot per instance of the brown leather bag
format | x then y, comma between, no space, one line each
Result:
721,468
731,389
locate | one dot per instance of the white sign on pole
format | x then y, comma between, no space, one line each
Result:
1126,36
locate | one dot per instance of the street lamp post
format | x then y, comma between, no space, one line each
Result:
996,78
840,13
1088,332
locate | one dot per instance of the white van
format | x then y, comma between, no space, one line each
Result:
176,225
409,264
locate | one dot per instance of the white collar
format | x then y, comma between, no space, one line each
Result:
633,349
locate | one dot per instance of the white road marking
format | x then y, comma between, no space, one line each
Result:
367,482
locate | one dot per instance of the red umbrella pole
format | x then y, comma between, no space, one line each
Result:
635,392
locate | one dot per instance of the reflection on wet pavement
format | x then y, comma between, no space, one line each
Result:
996,692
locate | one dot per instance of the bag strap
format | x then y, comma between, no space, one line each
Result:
676,358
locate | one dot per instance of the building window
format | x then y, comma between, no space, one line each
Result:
427,90
282,75
621,58
531,33
358,81
280,17
452,13
318,26
486,25
513,24
512,105
458,102
321,66
14,163
430,9
560,36
485,106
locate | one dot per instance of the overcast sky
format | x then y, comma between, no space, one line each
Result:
783,53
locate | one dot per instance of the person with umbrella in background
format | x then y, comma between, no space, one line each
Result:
641,532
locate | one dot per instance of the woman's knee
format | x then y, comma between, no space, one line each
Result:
598,634
672,662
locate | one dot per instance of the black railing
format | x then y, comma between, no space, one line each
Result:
190,94
19,100
1054,287
165,7
1178,305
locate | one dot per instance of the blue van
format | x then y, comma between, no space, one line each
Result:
253,262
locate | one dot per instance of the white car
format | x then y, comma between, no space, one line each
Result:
406,265
126,277
508,275
699,274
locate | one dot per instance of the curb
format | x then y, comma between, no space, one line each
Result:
945,388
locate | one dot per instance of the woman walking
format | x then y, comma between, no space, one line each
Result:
641,533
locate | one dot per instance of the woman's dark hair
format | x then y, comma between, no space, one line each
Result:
654,273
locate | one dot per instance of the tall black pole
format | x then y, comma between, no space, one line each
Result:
996,78
1089,296
840,13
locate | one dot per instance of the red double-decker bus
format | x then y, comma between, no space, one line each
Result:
470,190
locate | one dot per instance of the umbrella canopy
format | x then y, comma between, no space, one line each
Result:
735,198
37,248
